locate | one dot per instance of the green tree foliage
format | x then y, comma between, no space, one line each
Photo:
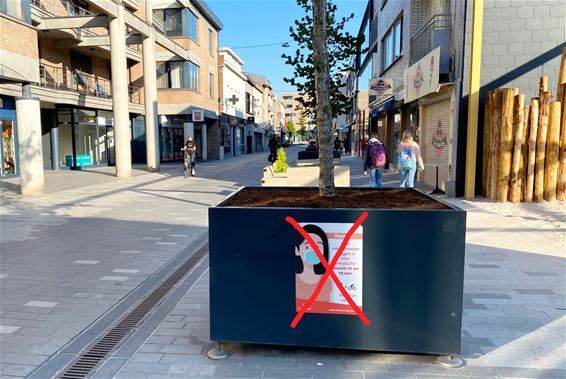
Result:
291,128
340,46
280,164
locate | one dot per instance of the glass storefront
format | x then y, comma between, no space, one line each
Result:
85,137
8,145
171,143
8,148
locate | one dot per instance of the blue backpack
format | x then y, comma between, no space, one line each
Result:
406,159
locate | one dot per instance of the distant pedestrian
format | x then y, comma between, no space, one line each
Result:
272,149
375,160
347,145
190,152
409,159
337,145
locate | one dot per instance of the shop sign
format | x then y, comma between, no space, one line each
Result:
198,115
380,86
422,77
309,270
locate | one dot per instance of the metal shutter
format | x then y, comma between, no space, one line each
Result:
437,143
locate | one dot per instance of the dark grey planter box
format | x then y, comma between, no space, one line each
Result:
413,273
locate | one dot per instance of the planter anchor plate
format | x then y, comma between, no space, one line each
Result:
217,353
450,361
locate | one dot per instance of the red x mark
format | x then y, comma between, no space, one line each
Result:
329,270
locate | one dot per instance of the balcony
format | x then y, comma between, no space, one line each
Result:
434,33
82,83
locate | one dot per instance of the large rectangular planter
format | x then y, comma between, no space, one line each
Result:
413,272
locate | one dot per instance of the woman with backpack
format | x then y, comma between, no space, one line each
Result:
408,156
375,161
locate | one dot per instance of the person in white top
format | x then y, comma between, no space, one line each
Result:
409,156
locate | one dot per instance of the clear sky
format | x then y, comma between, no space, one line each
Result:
262,22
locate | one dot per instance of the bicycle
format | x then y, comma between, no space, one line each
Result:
188,163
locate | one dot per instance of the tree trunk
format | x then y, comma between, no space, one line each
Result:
323,106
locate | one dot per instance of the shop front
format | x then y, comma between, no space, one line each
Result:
233,137
436,137
82,137
8,147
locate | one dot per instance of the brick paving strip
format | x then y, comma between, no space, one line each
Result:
70,352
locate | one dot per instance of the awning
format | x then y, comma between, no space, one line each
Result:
384,106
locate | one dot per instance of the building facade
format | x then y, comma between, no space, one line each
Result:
83,90
233,108
418,61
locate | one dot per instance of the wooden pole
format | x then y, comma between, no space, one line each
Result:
524,152
505,144
543,84
561,186
494,144
533,132
473,99
487,132
552,151
544,111
518,114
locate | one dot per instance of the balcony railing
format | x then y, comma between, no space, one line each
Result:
422,40
80,82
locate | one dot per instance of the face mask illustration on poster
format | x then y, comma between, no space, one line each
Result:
309,270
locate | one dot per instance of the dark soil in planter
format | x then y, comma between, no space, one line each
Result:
387,198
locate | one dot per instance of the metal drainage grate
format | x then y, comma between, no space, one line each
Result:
86,363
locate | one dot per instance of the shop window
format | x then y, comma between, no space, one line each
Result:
169,21
391,44
12,8
193,23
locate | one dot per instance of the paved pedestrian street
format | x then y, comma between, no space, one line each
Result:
77,258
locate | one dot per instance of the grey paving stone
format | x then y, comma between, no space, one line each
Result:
388,375
182,349
192,370
238,372
290,372
146,368
533,291
146,357
16,370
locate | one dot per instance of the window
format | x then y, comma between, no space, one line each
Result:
12,8
391,44
170,75
169,21
193,20
210,42
211,84
193,71
248,103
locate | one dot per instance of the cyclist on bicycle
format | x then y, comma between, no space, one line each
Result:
190,150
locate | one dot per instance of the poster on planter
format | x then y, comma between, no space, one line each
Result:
309,271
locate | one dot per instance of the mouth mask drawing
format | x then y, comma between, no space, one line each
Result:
311,257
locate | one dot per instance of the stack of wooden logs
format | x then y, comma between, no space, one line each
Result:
524,154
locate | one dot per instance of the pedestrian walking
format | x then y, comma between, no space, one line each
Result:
408,160
375,160
272,149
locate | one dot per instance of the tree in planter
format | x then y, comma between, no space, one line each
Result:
280,164
291,129
302,126
323,55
